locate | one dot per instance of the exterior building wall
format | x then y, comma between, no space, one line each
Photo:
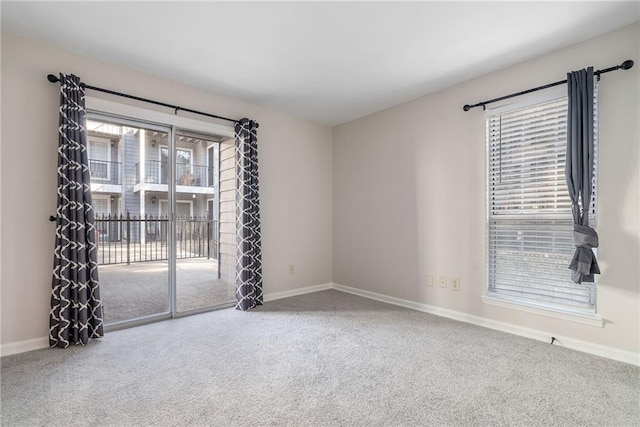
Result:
227,205
131,158
120,202
125,150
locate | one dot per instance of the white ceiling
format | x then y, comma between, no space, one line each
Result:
328,62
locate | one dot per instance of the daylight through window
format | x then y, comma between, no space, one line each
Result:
530,241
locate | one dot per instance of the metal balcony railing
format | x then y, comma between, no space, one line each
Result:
105,172
126,239
157,172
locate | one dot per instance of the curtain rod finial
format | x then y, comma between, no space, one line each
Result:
626,64
52,78
466,107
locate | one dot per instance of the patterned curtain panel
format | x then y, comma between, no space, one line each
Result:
249,246
76,310
579,172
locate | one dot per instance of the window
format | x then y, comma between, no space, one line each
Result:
184,209
101,205
530,241
99,158
101,210
184,165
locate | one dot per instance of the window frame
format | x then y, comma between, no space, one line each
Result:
152,117
586,316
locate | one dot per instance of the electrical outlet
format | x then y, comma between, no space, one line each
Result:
292,269
443,282
455,284
428,281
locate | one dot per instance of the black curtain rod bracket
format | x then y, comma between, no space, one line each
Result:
624,66
55,79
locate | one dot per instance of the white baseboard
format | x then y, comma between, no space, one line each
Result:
544,336
272,296
39,343
572,343
23,346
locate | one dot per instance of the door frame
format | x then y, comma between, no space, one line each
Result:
155,120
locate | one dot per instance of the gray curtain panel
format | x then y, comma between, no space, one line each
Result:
76,309
579,172
249,245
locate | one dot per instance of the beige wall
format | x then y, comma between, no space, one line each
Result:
295,170
409,194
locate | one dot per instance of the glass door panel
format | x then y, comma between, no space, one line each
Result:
198,284
132,232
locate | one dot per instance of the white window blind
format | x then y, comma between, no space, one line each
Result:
530,241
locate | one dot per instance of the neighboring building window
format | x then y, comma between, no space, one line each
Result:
101,206
530,243
101,212
99,158
184,165
184,209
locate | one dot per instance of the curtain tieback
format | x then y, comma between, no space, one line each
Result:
584,236
584,264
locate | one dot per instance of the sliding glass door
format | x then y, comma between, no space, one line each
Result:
156,199
126,187
198,284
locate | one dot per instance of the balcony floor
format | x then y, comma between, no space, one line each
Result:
140,289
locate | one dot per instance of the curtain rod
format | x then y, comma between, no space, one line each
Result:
54,79
624,66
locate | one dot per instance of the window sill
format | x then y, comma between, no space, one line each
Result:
584,318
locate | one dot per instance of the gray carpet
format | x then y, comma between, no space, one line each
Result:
327,358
